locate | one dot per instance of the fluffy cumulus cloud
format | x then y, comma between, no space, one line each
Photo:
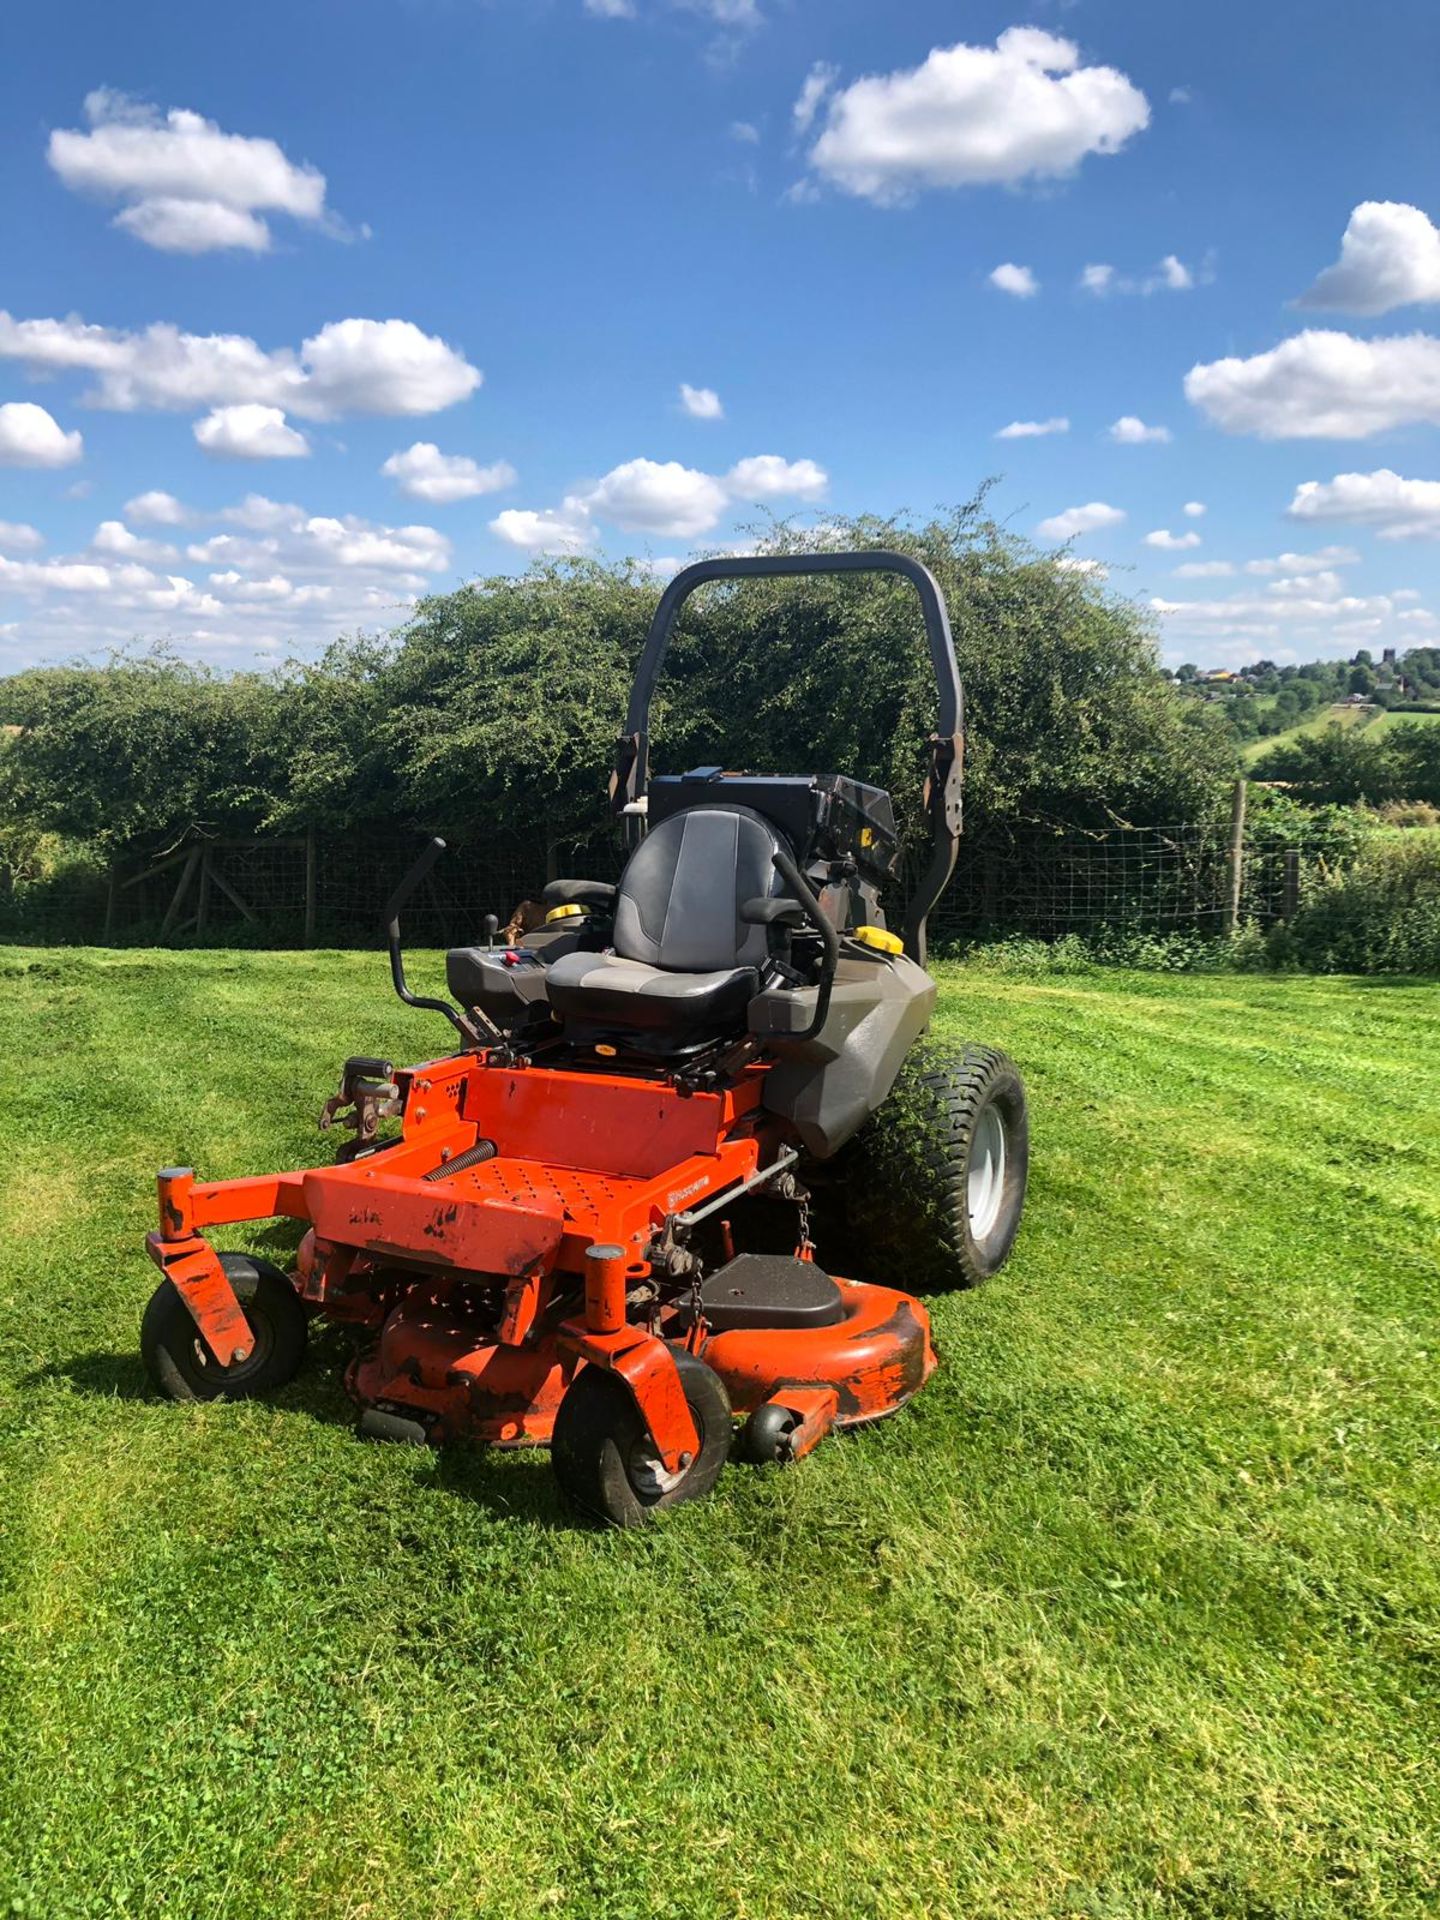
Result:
155,509
1094,517
563,529
1322,385
1024,109
183,184
1169,542
661,497
31,437
349,366
1194,509
17,536
1034,429
1130,431
1398,509
766,476
1020,281
658,496
701,403
250,432
114,538
1389,257
423,472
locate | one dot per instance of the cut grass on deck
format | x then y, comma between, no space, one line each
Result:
1133,1613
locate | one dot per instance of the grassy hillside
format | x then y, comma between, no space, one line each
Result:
1135,1612
1376,721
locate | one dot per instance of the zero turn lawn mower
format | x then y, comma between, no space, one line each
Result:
551,1252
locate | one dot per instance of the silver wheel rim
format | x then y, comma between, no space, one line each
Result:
985,1181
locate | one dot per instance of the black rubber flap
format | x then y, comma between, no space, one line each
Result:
770,1290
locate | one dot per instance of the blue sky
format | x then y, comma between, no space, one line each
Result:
253,255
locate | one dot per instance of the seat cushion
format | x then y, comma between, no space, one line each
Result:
604,990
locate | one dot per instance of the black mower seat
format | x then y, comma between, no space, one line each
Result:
604,990
684,963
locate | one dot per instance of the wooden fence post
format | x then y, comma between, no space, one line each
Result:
1236,862
112,902
311,865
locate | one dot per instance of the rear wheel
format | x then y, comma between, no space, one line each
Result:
181,1365
607,1465
934,1185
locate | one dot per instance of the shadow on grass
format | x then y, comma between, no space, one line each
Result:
465,1470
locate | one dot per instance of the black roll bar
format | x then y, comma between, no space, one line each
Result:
631,777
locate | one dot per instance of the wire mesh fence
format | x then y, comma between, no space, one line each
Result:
1038,879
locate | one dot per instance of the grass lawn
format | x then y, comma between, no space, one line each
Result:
1135,1612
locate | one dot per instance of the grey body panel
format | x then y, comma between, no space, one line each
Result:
827,1087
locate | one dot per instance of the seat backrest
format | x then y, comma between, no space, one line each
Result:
681,893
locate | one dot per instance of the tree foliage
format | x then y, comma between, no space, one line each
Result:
499,704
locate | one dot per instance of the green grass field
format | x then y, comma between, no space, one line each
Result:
1135,1612
1376,722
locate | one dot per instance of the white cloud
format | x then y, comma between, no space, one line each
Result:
1324,561
766,476
1034,429
1017,280
113,537
611,9
745,133
701,403
1129,431
184,184
424,473
1024,109
1176,275
1091,518
349,366
194,226
658,496
1171,542
818,83
1072,563
358,543
383,366
283,580
1194,509
1397,508
1170,276
1389,257
565,529
30,437
155,509
1322,385
250,432
1204,570
18,537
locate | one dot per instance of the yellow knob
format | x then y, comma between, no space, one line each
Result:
564,913
879,939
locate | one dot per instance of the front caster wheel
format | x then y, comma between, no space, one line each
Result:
181,1365
765,1439
605,1460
